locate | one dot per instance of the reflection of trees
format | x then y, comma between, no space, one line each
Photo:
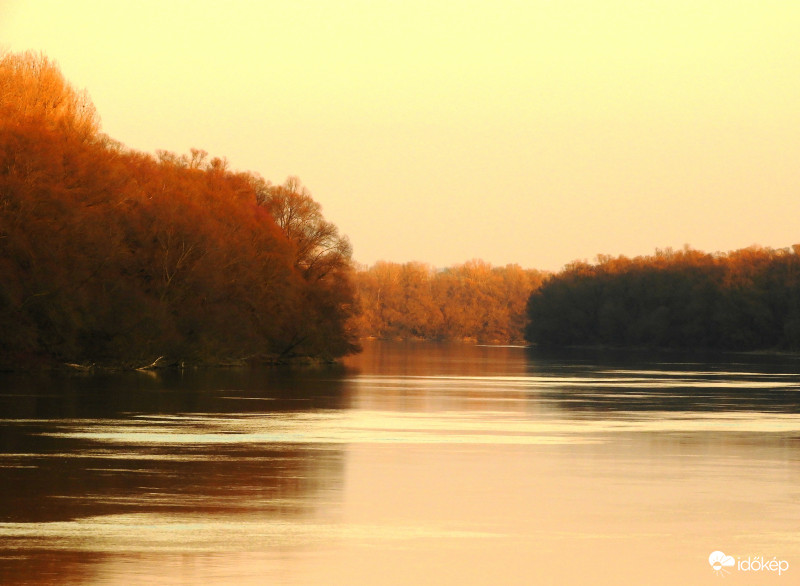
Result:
78,478
405,369
45,479
170,391
208,484
620,380
51,478
437,359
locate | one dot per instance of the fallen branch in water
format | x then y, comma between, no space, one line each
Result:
81,367
152,366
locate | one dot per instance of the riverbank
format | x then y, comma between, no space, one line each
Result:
161,363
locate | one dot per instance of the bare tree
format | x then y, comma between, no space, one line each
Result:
319,249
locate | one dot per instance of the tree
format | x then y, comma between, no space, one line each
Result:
110,255
473,301
319,249
323,259
32,86
745,299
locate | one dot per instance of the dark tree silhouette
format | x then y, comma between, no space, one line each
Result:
746,299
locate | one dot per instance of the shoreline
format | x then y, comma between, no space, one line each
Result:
160,364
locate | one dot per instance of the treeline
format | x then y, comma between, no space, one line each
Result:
469,302
745,300
112,255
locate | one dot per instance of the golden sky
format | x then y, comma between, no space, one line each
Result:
535,132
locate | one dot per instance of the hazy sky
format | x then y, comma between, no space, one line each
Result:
535,132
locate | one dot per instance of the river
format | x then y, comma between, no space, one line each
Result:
408,464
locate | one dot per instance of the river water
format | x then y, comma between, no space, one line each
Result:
409,464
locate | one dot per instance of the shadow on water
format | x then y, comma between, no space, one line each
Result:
78,449
612,380
169,391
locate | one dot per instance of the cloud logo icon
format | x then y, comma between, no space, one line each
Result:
719,561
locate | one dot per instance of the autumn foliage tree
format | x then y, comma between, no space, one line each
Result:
323,258
472,302
111,255
746,299
33,87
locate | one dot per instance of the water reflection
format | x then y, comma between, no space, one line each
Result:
592,382
61,395
69,494
439,359
614,381
412,463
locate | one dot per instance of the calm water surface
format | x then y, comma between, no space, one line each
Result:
410,464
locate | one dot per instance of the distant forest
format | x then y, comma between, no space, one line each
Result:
114,256
470,302
748,299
